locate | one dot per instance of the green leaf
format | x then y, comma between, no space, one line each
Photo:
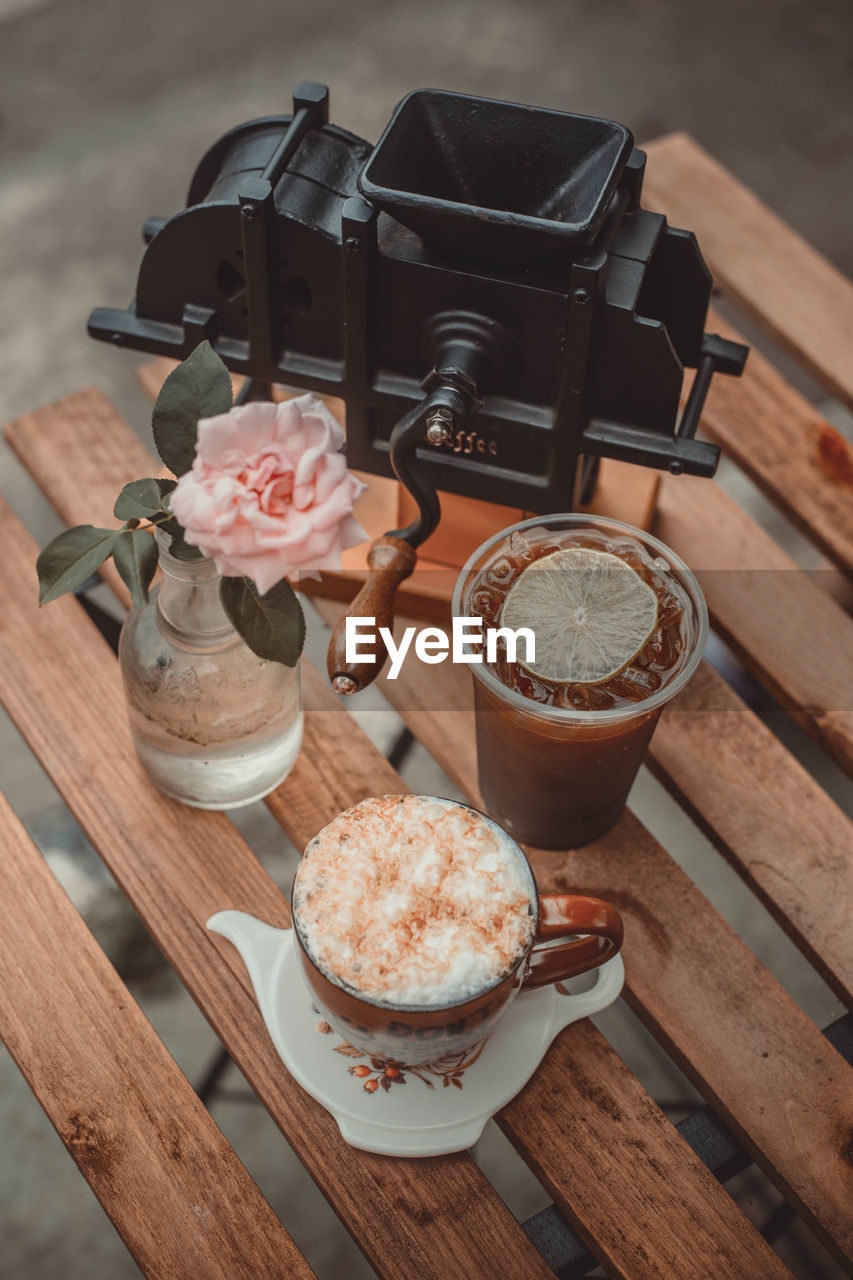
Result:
138,499
135,555
273,625
71,558
200,387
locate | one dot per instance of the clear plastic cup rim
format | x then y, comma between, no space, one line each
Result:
568,715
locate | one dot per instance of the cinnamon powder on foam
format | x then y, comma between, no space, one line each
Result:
412,900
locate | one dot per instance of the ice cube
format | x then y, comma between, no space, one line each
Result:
519,546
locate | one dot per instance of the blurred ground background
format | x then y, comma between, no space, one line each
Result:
105,108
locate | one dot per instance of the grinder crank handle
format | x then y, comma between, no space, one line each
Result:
392,556
391,560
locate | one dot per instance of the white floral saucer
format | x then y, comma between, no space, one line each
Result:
400,1110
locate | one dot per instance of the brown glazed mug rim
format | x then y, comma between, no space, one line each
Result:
390,1007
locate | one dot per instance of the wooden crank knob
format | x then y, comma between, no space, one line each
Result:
391,560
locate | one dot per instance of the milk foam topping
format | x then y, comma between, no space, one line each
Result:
414,900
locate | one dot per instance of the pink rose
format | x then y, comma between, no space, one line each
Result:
269,491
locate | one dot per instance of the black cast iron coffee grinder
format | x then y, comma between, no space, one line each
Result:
486,263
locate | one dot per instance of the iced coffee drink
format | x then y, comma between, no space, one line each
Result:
619,624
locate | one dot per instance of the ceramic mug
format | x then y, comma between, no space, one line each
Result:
414,1034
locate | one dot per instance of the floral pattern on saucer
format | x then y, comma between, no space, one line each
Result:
409,1122
382,1074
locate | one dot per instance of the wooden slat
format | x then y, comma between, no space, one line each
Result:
668,1212
767,815
792,454
792,635
60,683
153,373
759,261
173,1187
727,1022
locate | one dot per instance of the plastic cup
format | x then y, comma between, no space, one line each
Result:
557,777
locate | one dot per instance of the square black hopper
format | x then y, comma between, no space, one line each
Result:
495,181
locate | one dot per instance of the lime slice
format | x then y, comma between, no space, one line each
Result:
590,612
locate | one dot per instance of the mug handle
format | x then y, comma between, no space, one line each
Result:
562,913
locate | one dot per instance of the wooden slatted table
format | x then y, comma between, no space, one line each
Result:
627,1185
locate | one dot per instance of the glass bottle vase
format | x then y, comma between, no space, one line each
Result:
214,725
